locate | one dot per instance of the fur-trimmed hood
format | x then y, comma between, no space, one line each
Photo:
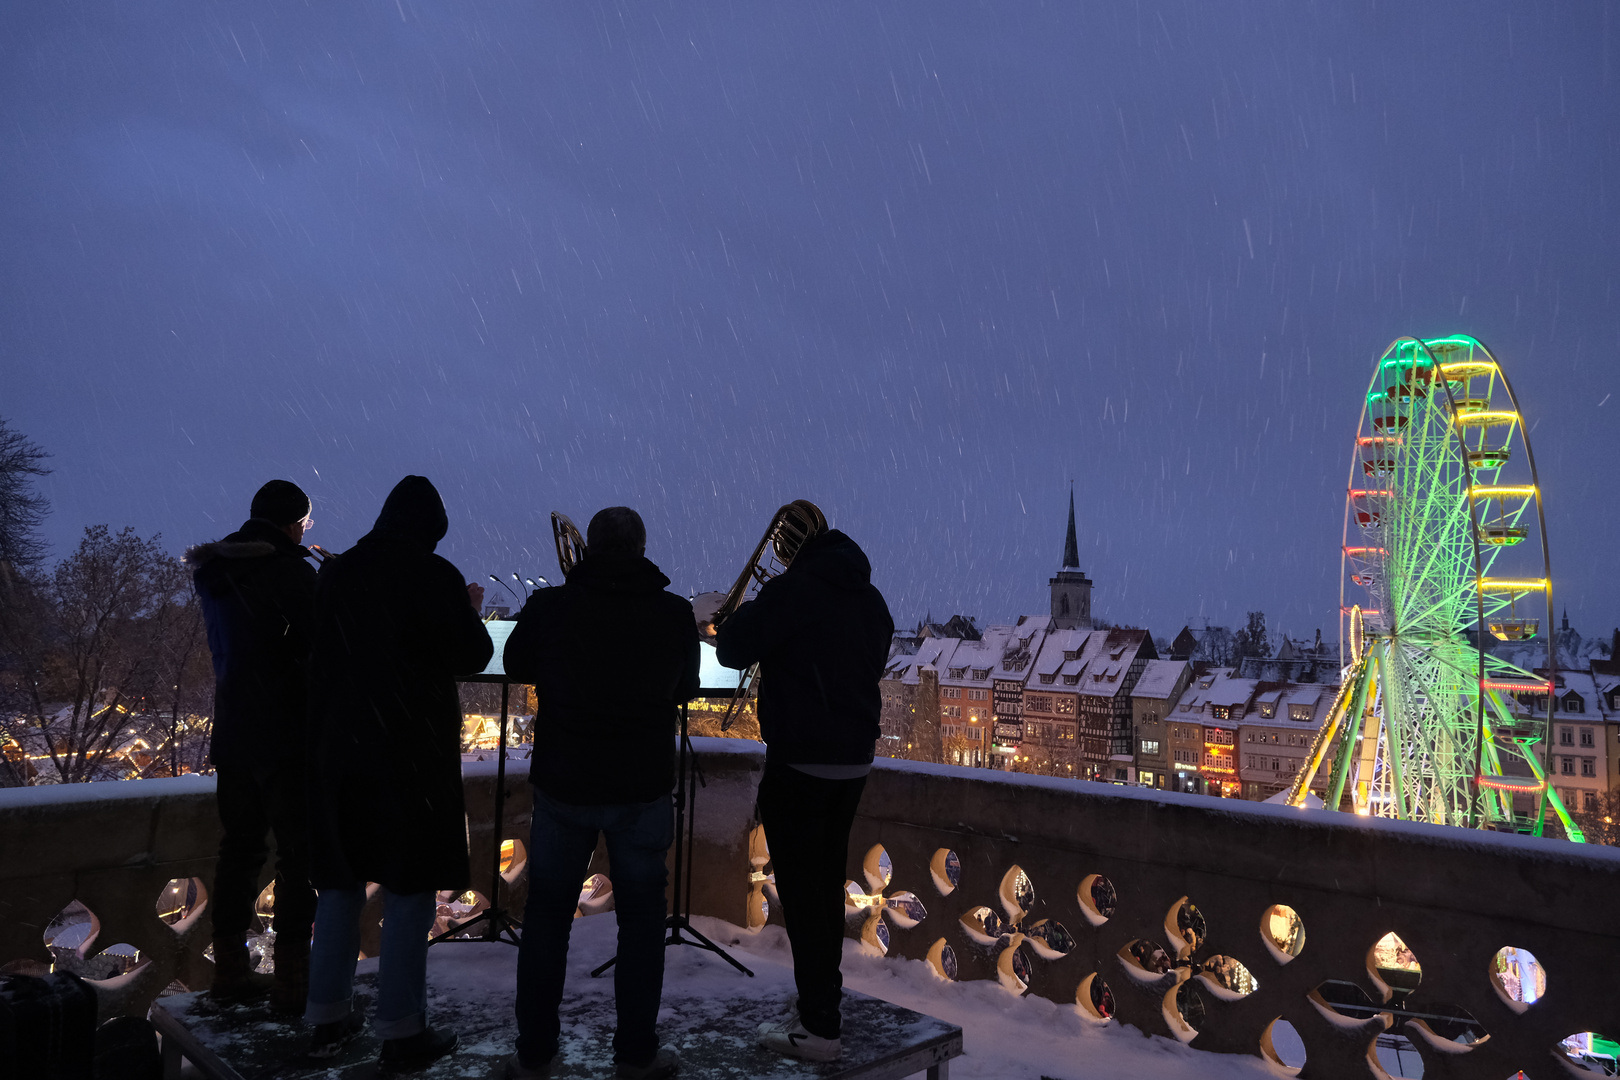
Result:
198,554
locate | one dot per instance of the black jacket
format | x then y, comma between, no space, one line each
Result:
610,655
258,601
820,632
393,630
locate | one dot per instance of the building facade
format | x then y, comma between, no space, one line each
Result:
1152,699
1277,733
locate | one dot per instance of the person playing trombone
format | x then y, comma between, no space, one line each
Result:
820,633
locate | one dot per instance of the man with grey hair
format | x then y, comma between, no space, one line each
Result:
609,715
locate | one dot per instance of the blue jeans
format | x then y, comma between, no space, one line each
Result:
561,841
401,971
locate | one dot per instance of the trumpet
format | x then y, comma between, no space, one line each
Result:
790,527
570,545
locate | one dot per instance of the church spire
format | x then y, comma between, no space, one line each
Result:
1071,547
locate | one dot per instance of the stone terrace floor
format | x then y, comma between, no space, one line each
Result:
1005,1037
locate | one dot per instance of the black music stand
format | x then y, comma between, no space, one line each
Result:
678,921
499,925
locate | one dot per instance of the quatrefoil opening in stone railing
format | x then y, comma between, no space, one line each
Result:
902,908
1186,980
1015,936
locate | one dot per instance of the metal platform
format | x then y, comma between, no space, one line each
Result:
712,1032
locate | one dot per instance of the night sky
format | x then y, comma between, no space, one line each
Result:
925,264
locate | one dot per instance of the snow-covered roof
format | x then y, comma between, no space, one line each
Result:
974,656
1318,697
1218,688
1586,687
1159,679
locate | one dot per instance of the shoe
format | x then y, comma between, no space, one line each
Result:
235,981
516,1070
663,1064
416,1051
790,1037
330,1039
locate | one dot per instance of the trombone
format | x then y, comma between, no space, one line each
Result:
790,527
570,545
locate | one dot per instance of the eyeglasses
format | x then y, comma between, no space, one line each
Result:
307,523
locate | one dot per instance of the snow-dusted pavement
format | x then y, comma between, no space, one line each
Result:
1004,1037
710,1012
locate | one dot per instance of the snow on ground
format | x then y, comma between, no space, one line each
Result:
1004,1037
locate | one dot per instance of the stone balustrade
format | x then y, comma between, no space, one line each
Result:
1198,919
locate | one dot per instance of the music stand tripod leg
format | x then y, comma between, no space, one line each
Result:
685,814
498,924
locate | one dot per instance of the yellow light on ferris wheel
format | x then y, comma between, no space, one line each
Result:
1485,418
1468,369
1511,585
1505,491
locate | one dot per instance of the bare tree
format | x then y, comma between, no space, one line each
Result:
100,660
22,509
1252,640
176,711
1217,647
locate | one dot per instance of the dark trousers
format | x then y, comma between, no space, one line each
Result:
807,821
561,840
255,801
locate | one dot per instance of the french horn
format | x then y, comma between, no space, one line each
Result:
570,544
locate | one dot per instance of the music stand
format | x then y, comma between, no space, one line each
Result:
499,925
679,921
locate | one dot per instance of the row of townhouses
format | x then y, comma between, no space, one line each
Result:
1052,695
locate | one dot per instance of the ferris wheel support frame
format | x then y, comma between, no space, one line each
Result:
1366,677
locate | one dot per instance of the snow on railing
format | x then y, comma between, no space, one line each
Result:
1236,927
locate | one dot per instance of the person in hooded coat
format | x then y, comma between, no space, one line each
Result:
609,713
258,601
820,633
395,625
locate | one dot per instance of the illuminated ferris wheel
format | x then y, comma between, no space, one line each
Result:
1444,551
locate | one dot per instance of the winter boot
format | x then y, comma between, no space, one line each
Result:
235,981
415,1051
291,989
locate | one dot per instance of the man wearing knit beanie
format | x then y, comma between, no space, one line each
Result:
258,595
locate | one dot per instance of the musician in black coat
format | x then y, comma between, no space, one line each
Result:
820,633
611,656
258,601
395,625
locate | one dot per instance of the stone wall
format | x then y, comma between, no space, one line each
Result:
1114,866
1046,886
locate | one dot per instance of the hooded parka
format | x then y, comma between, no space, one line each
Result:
393,630
820,632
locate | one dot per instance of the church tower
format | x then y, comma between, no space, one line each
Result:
1071,589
